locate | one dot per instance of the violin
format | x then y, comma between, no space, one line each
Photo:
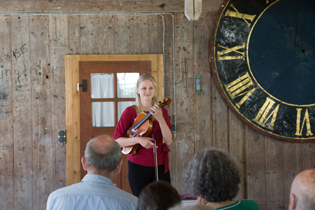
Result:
141,127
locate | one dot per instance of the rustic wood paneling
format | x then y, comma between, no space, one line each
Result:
256,167
274,174
292,156
184,84
124,25
58,28
7,163
105,34
203,126
33,102
102,6
22,113
169,84
43,162
74,34
141,35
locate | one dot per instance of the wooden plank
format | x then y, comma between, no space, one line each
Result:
184,97
103,6
74,34
88,34
292,156
274,174
203,104
106,34
58,28
122,57
22,113
238,149
155,34
124,34
220,121
69,119
169,89
142,34
76,121
43,166
7,164
72,102
256,167
308,154
160,76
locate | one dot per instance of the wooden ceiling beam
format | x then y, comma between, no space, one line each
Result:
121,6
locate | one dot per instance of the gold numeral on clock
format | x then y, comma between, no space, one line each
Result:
267,1
237,87
262,117
236,14
233,49
306,119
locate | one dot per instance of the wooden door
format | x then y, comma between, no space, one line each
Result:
93,127
74,147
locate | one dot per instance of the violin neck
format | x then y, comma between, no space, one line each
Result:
137,125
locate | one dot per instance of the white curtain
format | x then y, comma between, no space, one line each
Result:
102,86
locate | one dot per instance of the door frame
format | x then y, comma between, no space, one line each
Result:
73,159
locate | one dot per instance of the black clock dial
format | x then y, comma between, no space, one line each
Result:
281,51
265,65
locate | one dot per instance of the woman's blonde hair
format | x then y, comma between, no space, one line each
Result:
142,78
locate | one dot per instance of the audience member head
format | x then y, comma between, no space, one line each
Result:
158,196
302,196
214,175
102,156
193,207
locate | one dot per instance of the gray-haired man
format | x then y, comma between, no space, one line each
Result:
102,160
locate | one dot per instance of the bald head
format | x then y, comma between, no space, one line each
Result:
302,195
102,153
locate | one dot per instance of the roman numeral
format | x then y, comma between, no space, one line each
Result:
306,119
262,117
243,16
229,50
237,88
267,1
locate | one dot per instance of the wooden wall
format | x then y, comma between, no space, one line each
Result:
32,104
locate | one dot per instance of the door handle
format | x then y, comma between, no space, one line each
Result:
83,85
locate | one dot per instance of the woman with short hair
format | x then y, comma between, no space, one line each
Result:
214,176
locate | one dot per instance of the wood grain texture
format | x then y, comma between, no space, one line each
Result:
43,163
256,167
203,126
121,6
169,89
58,28
185,139
124,36
274,173
22,113
7,163
33,164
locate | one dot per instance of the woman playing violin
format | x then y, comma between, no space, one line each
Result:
141,165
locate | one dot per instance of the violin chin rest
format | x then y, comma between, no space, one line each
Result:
126,150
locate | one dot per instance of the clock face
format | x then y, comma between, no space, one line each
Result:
264,56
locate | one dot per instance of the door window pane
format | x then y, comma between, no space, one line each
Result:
127,84
103,114
102,85
122,105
